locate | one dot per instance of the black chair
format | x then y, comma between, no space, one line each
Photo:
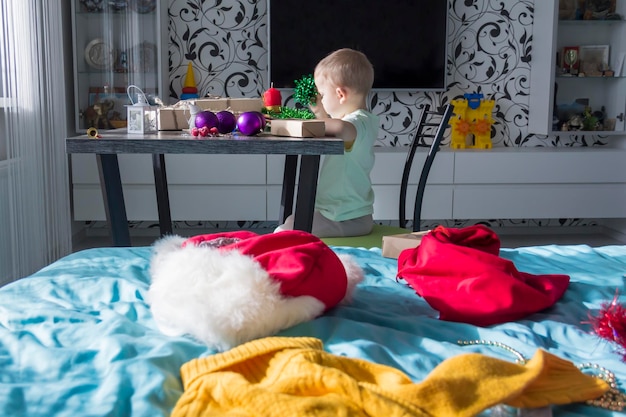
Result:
431,128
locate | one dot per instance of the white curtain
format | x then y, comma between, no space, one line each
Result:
35,225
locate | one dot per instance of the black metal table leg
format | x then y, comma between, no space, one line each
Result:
162,194
289,184
307,189
113,195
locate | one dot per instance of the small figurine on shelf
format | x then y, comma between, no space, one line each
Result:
97,115
93,6
190,90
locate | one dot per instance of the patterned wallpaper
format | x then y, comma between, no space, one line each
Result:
489,52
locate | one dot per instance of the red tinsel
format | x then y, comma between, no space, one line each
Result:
610,324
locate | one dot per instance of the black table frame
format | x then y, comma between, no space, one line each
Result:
306,151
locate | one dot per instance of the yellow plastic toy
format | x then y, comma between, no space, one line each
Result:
471,120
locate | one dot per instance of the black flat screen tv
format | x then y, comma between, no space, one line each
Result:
406,40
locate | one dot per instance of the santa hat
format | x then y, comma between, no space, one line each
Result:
232,287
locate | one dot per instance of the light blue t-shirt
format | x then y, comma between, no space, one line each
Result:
344,189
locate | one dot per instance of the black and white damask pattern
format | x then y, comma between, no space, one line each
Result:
226,42
489,52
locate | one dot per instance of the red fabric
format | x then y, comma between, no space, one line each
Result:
299,261
459,273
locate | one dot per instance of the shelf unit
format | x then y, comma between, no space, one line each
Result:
117,44
554,93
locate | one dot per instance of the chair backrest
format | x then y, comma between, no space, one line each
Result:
432,125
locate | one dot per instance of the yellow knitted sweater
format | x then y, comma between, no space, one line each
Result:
283,377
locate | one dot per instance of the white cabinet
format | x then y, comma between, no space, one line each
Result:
555,90
540,183
116,44
501,183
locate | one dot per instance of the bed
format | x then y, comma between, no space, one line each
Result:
77,338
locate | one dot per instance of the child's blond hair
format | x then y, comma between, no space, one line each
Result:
347,68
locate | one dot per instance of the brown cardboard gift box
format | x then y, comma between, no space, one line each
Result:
212,104
240,105
394,244
176,117
298,128
234,105
173,118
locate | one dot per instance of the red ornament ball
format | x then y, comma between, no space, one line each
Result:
206,119
251,122
226,121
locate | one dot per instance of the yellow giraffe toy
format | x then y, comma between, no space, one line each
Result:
472,116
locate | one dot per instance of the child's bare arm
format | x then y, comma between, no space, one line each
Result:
335,127
341,129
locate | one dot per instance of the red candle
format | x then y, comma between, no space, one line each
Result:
272,99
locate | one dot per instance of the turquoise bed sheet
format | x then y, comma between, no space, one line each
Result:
77,338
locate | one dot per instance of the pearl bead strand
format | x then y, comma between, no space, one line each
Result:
520,358
613,399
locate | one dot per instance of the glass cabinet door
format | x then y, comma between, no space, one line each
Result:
117,43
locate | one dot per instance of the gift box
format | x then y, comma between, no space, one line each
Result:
234,105
298,128
240,105
176,116
394,244
170,118
212,104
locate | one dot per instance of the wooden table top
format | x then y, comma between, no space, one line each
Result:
118,141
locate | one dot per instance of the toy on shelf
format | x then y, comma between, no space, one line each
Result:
472,116
190,90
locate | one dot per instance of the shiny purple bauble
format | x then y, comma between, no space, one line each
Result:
206,119
251,122
226,121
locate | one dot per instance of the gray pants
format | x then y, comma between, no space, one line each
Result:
323,227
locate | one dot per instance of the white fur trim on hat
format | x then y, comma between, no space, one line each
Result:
222,298
354,272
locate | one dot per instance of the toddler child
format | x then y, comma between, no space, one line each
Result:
345,200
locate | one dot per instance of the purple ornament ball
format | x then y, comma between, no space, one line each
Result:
206,119
226,121
251,122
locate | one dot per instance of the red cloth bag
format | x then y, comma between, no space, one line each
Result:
459,272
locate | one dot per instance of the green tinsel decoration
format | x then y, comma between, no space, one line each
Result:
291,113
305,92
